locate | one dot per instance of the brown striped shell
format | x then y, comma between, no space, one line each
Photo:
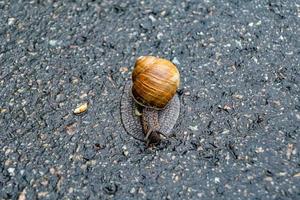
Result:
155,81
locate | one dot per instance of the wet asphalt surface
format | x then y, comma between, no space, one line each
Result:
238,135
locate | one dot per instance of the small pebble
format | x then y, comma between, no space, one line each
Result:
125,151
123,69
187,93
227,107
289,151
152,18
133,190
259,150
258,23
84,95
269,179
297,175
159,35
175,61
11,171
54,42
141,191
42,194
45,183
217,180
11,21
193,128
22,195
238,96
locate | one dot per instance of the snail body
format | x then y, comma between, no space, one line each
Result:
133,122
151,126
153,90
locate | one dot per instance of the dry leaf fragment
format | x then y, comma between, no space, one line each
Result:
80,109
297,175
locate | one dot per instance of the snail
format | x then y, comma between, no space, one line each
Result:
149,104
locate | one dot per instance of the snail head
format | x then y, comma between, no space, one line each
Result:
153,137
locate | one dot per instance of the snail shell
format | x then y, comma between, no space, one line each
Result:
155,81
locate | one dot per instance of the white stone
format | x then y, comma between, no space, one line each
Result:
175,61
11,171
160,35
193,128
11,21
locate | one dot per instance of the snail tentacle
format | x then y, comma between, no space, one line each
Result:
148,134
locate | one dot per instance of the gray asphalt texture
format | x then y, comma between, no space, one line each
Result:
238,136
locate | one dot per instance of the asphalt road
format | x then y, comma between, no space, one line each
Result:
238,136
